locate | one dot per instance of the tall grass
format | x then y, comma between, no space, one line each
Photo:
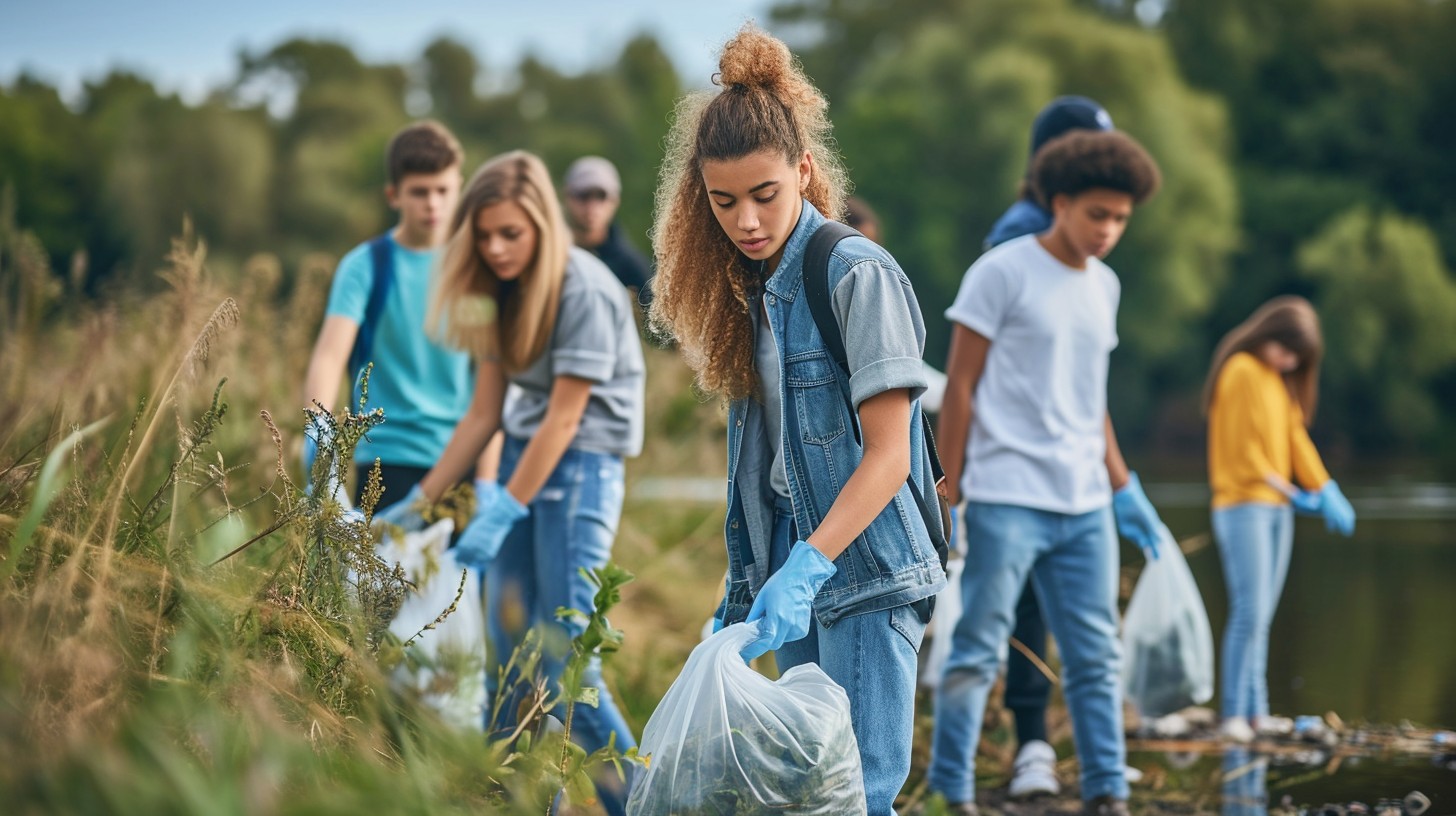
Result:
183,629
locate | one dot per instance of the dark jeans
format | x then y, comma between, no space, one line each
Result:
1027,689
397,481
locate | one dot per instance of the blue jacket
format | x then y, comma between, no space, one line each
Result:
1022,218
893,562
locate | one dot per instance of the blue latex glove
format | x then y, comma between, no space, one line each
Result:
1306,502
1137,521
405,512
784,607
496,512
1339,515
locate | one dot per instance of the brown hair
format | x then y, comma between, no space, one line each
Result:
702,294
470,308
1291,322
1083,160
424,147
860,215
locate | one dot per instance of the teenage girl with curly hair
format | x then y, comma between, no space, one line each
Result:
827,551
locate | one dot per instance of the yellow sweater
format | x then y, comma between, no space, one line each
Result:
1255,428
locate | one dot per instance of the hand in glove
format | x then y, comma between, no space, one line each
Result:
1305,502
404,513
1137,521
496,512
1339,515
784,607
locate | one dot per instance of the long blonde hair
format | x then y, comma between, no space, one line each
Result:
474,310
1290,321
702,294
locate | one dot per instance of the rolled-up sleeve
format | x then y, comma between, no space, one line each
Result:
584,343
884,333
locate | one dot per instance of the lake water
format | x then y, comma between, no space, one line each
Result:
1364,629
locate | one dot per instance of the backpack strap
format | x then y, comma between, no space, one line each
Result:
381,257
816,289
816,286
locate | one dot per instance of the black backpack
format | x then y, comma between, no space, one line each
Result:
816,288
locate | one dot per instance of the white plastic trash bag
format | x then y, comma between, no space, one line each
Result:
445,665
948,606
1167,645
727,741
943,623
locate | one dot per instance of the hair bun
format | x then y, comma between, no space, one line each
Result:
753,58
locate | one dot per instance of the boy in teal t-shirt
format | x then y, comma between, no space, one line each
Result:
423,387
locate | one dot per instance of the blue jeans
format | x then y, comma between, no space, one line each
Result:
1245,784
873,655
1254,542
1072,561
571,524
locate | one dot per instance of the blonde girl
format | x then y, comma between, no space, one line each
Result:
553,321
827,552
1260,396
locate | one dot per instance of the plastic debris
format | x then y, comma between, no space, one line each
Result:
1416,803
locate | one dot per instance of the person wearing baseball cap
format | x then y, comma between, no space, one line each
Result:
593,193
1061,116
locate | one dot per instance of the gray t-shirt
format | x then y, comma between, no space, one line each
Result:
884,336
595,338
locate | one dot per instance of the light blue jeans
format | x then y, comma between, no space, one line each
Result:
873,656
1072,561
571,524
1254,542
1245,784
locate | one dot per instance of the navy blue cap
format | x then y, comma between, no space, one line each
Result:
1065,114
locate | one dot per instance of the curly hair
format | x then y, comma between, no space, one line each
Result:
1083,160
703,295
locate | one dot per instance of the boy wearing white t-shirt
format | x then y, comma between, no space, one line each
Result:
1027,441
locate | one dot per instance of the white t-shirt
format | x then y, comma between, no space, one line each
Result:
1037,431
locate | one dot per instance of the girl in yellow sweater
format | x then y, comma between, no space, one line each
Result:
1260,395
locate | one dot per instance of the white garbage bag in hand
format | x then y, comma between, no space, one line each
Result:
727,740
1167,644
445,665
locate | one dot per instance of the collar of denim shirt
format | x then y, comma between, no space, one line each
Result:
786,281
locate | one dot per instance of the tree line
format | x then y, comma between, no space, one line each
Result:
1305,146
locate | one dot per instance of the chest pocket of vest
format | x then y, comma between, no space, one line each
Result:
816,396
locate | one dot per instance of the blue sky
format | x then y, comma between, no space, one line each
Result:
190,47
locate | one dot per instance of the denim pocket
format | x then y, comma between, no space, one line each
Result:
818,402
910,621
602,489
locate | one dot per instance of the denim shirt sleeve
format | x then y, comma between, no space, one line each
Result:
883,330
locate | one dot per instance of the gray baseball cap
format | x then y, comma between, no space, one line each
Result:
593,173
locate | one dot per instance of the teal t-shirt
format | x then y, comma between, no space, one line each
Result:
423,387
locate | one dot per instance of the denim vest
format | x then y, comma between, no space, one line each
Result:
891,563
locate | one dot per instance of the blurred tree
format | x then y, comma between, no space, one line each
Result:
935,126
1388,303
327,189
45,161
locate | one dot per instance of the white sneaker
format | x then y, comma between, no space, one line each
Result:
1034,772
1237,729
1274,726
